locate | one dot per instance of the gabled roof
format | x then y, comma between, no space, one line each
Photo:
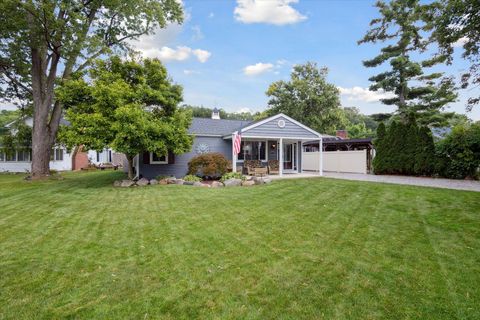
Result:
215,127
280,115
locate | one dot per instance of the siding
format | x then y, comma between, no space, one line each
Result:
26,166
271,129
180,167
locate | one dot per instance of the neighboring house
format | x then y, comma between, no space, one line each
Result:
275,138
61,159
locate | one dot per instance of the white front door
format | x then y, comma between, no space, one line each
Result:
289,157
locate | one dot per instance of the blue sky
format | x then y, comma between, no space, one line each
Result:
227,52
210,52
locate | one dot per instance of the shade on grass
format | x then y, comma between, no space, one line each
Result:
309,248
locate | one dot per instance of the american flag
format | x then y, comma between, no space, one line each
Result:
236,143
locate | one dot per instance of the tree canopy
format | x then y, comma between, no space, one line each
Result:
308,98
405,26
130,106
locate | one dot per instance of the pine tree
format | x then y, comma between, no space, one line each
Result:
406,24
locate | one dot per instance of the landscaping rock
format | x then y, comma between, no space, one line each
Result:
163,182
153,181
179,181
199,184
258,180
247,183
143,182
233,183
189,183
267,180
172,180
127,183
217,184
117,183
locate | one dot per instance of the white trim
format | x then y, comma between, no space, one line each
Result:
278,137
207,135
320,147
280,158
158,162
278,116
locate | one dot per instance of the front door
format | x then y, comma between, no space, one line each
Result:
289,157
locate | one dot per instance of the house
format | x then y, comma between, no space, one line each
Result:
61,159
277,138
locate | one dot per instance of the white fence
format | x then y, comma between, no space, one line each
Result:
336,161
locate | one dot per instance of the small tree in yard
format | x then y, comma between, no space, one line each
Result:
129,106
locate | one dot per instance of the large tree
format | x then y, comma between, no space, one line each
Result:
405,28
130,106
458,22
42,43
308,98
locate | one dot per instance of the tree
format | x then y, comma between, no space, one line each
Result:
44,42
379,165
359,125
130,106
407,24
6,117
308,98
425,153
458,21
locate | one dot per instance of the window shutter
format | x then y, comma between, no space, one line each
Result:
171,157
146,158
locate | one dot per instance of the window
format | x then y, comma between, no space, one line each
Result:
253,150
56,154
11,156
98,156
158,159
110,156
23,155
310,148
2,156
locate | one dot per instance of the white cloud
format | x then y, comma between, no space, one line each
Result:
363,94
242,110
211,15
277,12
189,71
197,33
460,42
202,55
180,53
258,68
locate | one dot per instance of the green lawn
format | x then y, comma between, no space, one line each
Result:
310,248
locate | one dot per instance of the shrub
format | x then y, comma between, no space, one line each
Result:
208,164
192,178
459,153
232,175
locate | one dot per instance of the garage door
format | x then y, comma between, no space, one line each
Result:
336,161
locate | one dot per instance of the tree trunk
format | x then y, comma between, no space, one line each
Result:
130,167
41,148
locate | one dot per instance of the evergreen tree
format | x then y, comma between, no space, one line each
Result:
425,154
406,24
379,160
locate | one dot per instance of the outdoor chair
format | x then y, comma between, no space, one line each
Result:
273,167
251,165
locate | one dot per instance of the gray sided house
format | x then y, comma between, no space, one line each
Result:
277,138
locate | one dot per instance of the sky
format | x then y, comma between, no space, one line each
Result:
227,52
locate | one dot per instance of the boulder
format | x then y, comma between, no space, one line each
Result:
267,180
117,183
258,180
172,180
163,182
143,182
233,182
179,181
153,181
247,183
189,183
127,183
199,184
217,184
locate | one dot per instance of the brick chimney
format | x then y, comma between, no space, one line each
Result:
342,134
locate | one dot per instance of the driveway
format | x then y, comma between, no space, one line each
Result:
413,181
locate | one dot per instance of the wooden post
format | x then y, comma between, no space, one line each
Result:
320,152
280,162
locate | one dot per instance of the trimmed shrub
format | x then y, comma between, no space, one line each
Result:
208,165
192,178
232,175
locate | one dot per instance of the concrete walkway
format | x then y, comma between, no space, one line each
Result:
412,181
